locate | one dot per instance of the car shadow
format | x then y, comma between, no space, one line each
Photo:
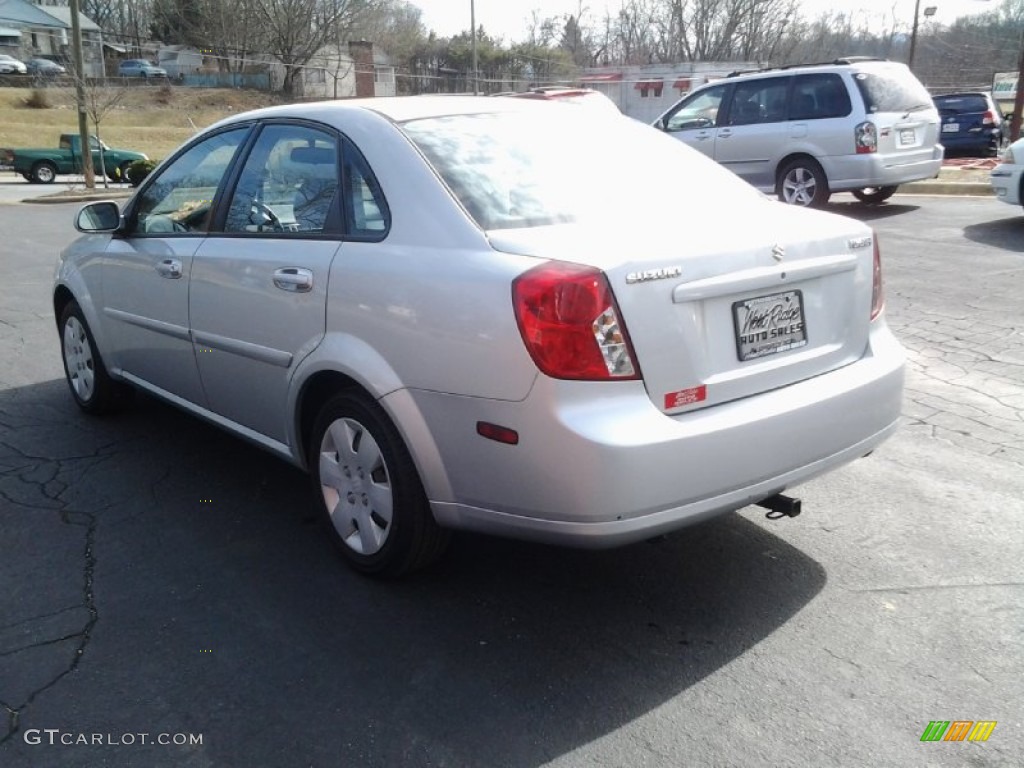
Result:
1007,233
221,608
861,212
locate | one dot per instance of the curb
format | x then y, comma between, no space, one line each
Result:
84,197
961,188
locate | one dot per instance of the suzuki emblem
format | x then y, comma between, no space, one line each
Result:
778,252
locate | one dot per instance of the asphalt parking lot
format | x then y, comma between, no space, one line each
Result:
164,582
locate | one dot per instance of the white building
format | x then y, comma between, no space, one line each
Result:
644,92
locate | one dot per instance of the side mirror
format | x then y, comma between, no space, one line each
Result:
98,217
659,124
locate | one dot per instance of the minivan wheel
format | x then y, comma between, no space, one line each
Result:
874,195
90,384
802,182
368,490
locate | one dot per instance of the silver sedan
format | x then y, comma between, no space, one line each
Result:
498,315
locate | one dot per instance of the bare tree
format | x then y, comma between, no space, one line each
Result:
297,29
100,100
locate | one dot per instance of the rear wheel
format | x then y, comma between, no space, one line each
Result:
87,377
43,172
802,182
368,490
874,195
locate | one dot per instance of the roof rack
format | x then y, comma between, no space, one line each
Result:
834,62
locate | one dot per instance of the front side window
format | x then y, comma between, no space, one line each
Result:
699,111
759,101
180,199
288,183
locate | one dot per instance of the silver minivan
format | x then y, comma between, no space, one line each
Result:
855,125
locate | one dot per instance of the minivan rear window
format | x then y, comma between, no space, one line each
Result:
892,91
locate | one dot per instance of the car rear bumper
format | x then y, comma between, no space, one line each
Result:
982,140
1007,185
860,171
598,465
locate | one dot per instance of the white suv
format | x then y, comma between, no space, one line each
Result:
854,125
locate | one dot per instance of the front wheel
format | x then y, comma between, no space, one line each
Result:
874,195
802,182
368,490
91,386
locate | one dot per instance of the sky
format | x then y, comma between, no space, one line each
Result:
508,18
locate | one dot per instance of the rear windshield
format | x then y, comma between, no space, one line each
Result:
558,164
961,104
893,90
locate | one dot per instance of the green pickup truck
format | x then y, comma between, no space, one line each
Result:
41,166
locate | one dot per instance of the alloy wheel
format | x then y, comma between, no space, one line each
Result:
356,486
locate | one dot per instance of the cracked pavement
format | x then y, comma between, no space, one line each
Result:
132,605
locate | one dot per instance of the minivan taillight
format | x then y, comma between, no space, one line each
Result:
865,138
877,294
988,118
571,324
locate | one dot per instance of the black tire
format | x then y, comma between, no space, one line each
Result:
802,182
874,195
43,172
363,478
90,384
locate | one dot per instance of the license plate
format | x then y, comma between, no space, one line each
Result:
951,127
768,325
907,136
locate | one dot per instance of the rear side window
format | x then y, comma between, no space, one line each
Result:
366,212
955,105
892,90
819,96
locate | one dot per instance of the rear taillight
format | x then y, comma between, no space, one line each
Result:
865,138
571,324
988,118
877,294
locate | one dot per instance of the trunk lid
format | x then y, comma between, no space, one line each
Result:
724,311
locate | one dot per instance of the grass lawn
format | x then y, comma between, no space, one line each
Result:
150,119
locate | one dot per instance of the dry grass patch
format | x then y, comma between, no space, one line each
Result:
152,119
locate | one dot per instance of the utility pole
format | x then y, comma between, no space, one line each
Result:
472,37
913,34
83,122
1018,102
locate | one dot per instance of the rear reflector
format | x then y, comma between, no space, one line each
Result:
497,432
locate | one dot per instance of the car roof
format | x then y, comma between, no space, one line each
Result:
853,63
397,109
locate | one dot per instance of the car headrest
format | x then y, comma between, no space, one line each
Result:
313,156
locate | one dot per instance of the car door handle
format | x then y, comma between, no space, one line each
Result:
295,279
169,268
725,133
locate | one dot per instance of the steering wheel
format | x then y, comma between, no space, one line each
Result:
267,217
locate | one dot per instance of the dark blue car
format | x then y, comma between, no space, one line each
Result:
971,123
